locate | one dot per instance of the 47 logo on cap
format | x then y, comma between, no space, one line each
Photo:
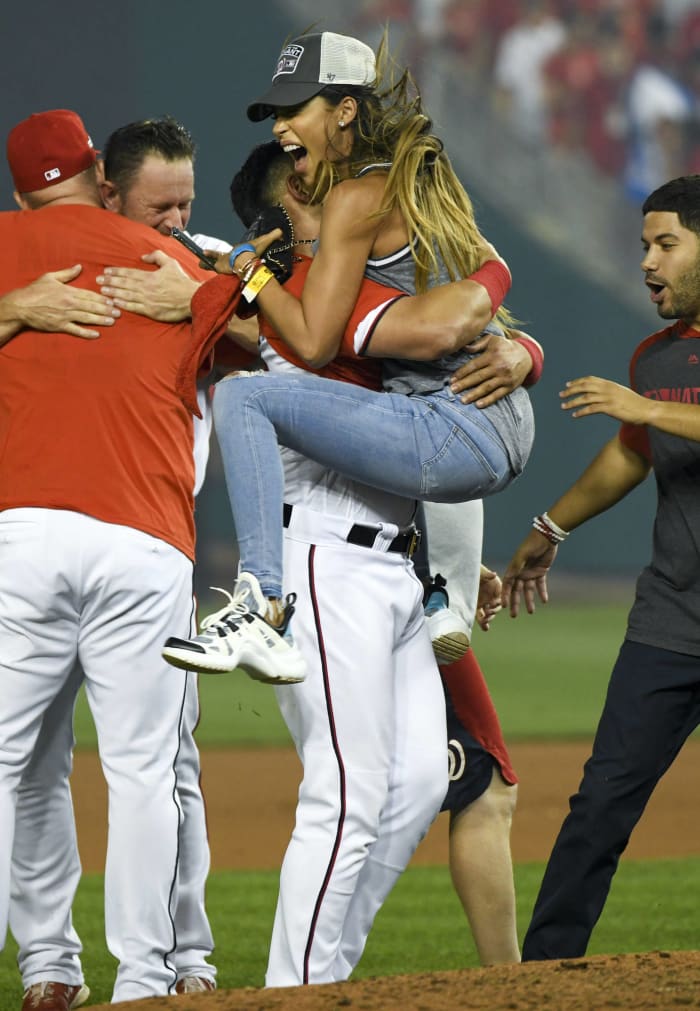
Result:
289,58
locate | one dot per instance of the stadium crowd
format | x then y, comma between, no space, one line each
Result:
616,81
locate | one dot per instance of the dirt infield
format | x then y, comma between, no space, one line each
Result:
234,782
659,981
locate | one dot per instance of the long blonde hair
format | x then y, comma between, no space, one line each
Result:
392,128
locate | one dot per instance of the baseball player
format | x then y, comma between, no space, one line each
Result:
153,161
265,176
374,771
56,516
653,698
310,924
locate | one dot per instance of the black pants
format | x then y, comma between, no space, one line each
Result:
652,705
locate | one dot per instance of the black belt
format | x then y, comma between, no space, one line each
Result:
405,542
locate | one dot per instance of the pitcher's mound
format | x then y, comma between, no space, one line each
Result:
656,981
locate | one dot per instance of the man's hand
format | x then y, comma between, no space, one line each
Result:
591,395
164,294
50,304
502,366
488,602
527,573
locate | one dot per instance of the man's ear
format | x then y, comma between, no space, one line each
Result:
20,201
111,197
295,188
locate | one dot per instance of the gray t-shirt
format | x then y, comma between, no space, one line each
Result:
666,610
511,416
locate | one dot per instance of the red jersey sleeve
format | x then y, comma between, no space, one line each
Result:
636,437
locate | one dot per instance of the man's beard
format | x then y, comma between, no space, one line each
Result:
685,300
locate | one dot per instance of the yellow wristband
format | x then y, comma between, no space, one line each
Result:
257,282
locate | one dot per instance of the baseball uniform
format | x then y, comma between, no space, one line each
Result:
96,497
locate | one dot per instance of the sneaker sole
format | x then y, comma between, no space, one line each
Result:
270,679
206,665
80,997
448,648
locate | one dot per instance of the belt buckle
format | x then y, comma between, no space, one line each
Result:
414,542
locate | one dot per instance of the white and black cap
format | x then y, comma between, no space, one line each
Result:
308,64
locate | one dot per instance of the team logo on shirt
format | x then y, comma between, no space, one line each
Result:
675,394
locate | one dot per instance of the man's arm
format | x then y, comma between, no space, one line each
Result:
612,475
166,294
50,304
592,395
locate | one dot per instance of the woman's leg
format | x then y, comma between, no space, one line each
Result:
421,447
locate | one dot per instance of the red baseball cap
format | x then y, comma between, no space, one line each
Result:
47,148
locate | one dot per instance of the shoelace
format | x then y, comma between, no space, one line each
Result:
235,608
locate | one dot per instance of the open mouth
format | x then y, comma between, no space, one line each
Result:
656,290
298,155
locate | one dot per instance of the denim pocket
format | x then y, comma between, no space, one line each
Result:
460,470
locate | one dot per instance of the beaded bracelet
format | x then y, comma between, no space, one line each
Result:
242,247
549,529
248,269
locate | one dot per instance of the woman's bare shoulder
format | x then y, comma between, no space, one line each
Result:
363,194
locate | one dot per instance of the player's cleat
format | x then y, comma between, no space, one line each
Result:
238,636
448,633
48,996
195,984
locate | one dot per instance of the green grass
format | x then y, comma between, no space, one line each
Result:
547,673
653,904
235,711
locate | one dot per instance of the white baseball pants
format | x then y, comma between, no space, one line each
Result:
72,587
369,727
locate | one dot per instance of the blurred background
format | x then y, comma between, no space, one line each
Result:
559,116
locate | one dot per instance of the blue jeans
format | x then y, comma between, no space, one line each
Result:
431,447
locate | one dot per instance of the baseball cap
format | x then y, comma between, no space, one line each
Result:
308,64
47,148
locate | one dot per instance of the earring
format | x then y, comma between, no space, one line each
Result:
341,124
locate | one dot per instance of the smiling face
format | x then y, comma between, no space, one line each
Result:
671,264
160,194
311,133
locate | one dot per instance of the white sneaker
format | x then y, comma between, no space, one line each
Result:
448,632
237,636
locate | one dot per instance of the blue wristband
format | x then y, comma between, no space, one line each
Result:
243,247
